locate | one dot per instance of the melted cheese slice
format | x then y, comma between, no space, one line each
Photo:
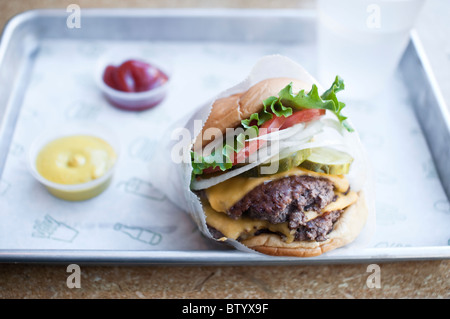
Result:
245,226
224,195
342,201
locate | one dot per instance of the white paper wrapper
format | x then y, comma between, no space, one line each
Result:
178,175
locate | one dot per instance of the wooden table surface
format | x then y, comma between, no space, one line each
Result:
412,279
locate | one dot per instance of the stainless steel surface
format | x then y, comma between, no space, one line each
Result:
431,109
17,52
213,257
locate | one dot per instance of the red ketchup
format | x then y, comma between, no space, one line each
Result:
134,76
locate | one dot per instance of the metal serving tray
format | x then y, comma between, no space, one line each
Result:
231,41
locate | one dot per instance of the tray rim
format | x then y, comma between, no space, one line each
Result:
214,257
208,257
16,20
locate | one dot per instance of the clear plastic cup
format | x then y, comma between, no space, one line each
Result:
362,41
74,192
132,101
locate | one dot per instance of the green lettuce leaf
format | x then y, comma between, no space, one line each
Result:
276,108
286,100
200,163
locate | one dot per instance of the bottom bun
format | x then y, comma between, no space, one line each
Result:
345,230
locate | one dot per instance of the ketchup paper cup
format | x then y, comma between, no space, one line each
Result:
130,100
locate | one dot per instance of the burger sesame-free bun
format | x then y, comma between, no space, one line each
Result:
224,113
228,112
345,230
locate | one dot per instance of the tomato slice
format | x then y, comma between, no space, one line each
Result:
249,148
240,157
273,124
276,123
301,117
210,170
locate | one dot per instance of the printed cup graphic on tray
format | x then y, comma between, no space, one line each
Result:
81,110
16,150
53,229
4,186
140,234
142,188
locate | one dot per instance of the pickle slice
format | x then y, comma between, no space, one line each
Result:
328,161
284,164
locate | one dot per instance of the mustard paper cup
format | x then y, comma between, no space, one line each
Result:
80,191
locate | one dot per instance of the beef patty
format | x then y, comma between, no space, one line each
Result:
316,229
285,200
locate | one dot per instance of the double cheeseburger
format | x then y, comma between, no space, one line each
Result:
306,206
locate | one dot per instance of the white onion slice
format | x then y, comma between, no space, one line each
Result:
294,139
281,134
295,147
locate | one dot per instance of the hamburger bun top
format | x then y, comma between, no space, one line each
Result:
228,112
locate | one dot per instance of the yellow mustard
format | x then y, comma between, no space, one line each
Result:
74,160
